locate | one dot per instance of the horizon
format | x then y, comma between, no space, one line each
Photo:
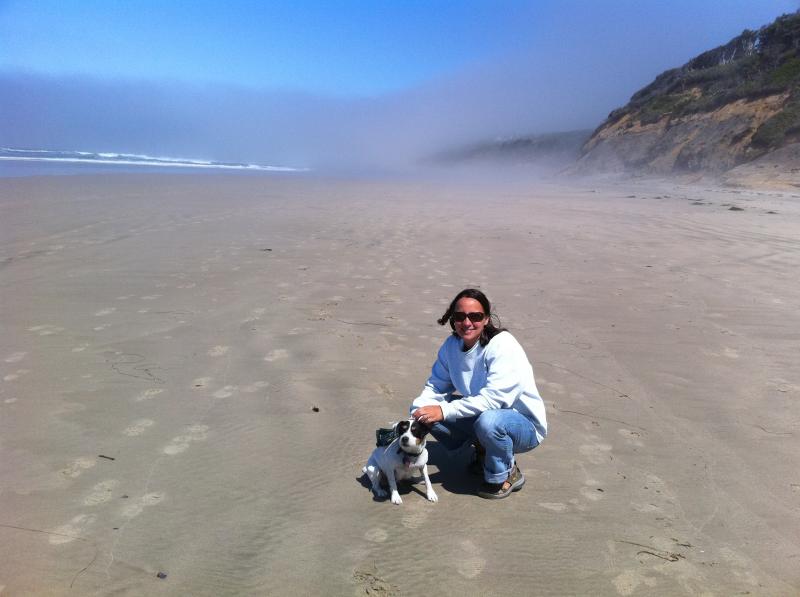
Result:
319,86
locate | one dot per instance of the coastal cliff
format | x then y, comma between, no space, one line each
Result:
727,107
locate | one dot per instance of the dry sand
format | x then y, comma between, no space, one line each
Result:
166,338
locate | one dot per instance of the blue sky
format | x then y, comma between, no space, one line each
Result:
330,47
297,80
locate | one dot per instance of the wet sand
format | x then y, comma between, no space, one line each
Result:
166,340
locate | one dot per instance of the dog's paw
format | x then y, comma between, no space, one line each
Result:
432,497
396,499
380,493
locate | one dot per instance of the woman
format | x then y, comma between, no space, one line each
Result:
497,406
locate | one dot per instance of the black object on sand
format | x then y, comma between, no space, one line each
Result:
385,436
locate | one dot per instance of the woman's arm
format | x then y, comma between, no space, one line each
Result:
507,368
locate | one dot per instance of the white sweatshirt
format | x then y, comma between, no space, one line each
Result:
497,375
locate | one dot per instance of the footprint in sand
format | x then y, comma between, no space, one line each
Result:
46,330
218,351
578,505
77,467
414,519
226,392
149,394
782,385
15,357
470,562
202,382
731,353
194,433
596,453
138,427
553,506
16,375
645,508
278,353
72,530
135,508
254,387
592,492
628,581
632,437
370,582
298,331
376,535
101,493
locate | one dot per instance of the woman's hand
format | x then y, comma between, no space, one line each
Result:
428,415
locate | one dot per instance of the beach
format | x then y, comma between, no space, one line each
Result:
193,368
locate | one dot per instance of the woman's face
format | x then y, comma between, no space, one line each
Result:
469,331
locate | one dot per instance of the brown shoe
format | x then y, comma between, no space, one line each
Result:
498,491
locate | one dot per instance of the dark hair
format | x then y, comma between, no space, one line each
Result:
490,330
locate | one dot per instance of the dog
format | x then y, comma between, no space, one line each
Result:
400,460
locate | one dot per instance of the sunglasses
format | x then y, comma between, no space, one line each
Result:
460,316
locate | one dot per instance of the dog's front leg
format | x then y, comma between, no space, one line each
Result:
396,499
429,492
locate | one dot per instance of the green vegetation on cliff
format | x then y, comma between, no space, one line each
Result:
754,65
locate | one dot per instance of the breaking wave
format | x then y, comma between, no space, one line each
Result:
130,159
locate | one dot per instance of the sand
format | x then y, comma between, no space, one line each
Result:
166,340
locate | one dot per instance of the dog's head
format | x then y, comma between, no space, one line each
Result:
411,436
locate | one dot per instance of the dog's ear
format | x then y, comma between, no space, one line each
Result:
420,430
402,427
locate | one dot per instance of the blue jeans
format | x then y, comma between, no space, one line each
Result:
502,432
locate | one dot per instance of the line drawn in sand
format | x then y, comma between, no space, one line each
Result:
133,365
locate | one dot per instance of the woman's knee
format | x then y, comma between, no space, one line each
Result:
489,425
500,424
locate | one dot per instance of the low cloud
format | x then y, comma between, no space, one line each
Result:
298,129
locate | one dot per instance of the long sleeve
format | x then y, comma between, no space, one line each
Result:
489,377
508,372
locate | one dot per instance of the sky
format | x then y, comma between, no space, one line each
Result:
331,84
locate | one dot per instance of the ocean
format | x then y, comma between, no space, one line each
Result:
38,162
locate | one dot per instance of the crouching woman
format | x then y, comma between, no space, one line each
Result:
482,390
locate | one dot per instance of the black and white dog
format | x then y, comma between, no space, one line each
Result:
403,459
